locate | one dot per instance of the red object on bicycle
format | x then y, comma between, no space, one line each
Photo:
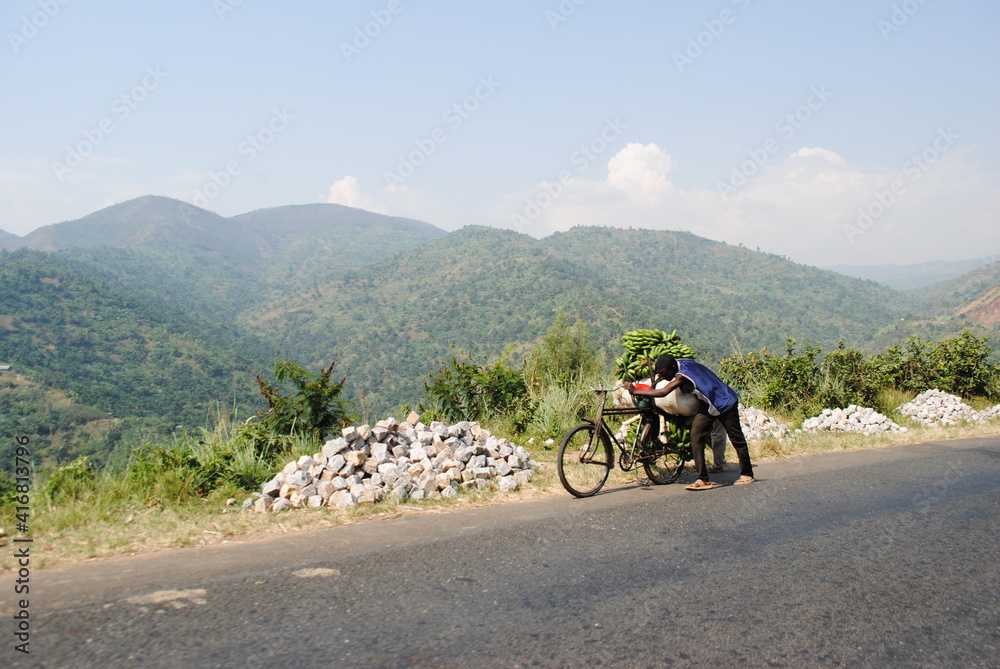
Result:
642,386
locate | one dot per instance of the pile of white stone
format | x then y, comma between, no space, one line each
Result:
991,413
863,420
935,407
398,461
758,425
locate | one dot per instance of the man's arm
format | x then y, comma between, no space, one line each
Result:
656,392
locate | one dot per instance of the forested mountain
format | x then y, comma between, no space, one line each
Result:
483,289
66,327
6,236
221,266
306,244
154,309
132,311
721,293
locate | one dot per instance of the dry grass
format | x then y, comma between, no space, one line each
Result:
95,528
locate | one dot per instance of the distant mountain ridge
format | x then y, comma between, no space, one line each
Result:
974,296
152,223
224,265
926,275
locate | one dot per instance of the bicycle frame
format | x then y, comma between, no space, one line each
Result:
628,456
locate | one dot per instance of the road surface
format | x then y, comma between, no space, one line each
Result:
885,557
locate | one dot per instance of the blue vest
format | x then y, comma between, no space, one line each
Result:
708,387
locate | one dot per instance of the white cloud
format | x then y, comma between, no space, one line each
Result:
641,171
829,156
347,192
801,206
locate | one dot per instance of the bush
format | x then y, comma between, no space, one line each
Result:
848,378
461,390
314,409
958,365
69,481
789,383
797,384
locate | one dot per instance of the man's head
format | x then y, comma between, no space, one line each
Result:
665,366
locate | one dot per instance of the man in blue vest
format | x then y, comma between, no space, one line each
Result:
717,401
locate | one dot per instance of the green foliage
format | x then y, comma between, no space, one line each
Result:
797,384
314,408
559,408
69,481
233,454
461,390
958,365
8,492
848,378
112,352
788,383
565,356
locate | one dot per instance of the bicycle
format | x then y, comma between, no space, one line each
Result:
587,453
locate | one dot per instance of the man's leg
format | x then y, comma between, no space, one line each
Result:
699,427
718,438
731,422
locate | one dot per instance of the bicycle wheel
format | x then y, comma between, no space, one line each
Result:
664,466
584,460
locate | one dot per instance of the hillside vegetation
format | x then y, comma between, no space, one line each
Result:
481,290
67,329
157,311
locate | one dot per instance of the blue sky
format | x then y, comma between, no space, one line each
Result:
849,132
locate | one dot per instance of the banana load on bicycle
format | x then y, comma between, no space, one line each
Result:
635,365
702,394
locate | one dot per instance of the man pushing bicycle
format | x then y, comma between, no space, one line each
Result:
716,401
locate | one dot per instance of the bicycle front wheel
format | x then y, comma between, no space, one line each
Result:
585,460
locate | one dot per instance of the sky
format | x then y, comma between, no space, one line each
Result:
851,132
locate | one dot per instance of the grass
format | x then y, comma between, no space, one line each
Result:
115,517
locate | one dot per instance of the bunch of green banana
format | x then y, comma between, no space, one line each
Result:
678,434
680,437
642,347
637,341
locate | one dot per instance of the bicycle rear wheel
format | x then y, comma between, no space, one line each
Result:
664,466
585,460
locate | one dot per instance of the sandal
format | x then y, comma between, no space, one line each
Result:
743,480
702,485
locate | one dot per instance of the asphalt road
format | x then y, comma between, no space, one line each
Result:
872,558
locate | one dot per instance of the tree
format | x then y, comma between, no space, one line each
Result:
466,391
565,356
314,409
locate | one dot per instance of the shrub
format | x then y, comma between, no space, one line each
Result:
461,390
70,480
315,408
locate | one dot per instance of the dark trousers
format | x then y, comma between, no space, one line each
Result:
702,426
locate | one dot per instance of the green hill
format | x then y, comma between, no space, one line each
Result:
71,330
482,290
59,426
306,244
170,250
